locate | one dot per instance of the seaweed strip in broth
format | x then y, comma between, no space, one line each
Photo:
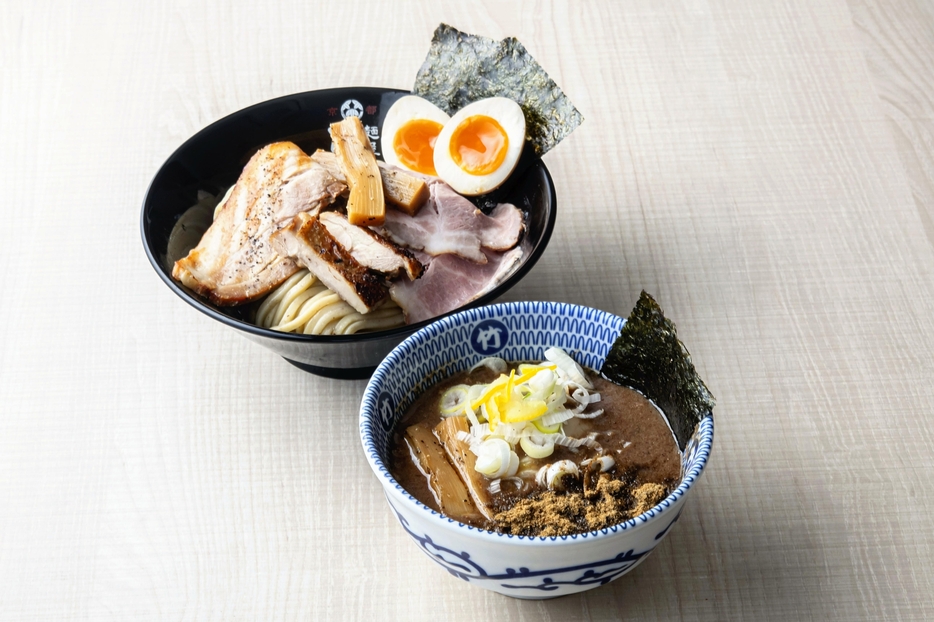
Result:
649,357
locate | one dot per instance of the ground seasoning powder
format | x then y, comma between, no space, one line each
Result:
608,503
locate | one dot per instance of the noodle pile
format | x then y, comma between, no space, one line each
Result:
302,304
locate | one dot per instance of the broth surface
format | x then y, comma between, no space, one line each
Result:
631,430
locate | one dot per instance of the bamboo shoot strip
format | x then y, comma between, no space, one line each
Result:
401,190
366,205
464,461
449,491
405,192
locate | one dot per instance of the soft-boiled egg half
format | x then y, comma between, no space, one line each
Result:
410,130
474,151
479,147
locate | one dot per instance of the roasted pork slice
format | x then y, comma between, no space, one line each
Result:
451,224
234,261
451,281
301,194
331,162
370,249
306,240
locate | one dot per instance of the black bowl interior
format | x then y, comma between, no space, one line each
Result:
212,159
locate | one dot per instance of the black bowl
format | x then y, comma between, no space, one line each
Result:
213,158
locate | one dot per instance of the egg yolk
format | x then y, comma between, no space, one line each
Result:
414,143
479,145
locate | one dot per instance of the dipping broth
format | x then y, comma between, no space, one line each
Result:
604,468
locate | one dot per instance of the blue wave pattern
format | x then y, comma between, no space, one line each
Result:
443,349
463,567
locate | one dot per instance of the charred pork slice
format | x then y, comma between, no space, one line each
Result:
308,242
371,250
234,261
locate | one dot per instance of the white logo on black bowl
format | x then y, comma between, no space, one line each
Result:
489,337
385,410
351,108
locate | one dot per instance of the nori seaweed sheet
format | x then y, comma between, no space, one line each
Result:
649,357
461,68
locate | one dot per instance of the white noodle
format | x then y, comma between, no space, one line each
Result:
302,304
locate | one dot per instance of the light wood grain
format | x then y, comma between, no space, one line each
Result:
764,169
898,42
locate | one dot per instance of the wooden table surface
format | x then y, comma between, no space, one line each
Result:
764,168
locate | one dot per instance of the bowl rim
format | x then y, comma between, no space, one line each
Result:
194,301
705,433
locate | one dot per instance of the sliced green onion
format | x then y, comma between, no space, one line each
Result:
513,464
592,415
566,364
554,418
495,458
537,446
454,400
552,476
542,384
542,427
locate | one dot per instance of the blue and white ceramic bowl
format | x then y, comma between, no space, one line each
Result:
519,566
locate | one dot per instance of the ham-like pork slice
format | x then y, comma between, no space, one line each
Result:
234,262
370,249
451,224
451,281
308,241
